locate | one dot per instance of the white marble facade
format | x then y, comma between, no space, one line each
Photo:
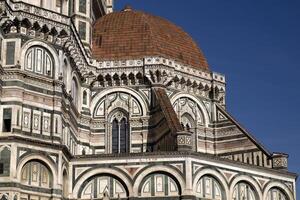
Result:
72,127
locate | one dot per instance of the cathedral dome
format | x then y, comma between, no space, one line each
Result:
131,34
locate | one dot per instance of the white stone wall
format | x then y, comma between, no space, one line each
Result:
73,140
131,172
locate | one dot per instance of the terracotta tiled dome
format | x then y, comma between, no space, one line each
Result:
130,34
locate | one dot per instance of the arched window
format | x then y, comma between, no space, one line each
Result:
276,194
39,60
104,186
36,174
243,191
159,185
74,92
120,133
209,188
84,98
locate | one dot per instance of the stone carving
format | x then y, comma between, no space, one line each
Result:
184,139
280,162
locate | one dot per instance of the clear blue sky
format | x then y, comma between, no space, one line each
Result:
256,44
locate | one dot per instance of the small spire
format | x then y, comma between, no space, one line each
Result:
127,8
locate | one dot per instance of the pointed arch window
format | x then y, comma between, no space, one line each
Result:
120,134
39,60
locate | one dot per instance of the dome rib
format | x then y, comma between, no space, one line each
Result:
134,35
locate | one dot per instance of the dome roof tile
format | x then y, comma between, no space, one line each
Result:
132,34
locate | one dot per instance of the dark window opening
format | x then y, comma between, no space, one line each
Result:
82,6
82,30
120,140
123,136
56,125
18,115
1,168
5,161
10,53
84,98
257,160
115,137
6,120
